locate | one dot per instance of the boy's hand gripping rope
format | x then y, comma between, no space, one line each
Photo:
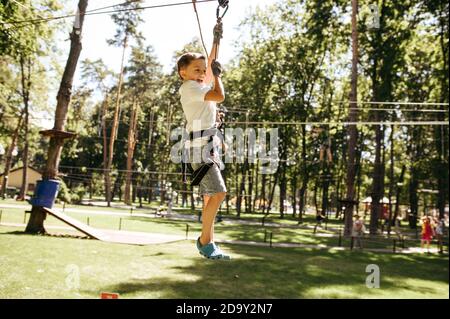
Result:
218,29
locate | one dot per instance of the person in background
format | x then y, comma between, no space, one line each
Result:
427,232
358,230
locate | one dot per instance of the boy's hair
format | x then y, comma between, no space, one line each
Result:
186,59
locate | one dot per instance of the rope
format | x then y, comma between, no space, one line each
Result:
199,26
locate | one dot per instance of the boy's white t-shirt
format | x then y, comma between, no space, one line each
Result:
200,114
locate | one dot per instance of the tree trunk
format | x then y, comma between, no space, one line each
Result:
256,186
352,129
130,151
391,179
263,199
106,175
283,188
294,196
397,194
248,200
36,222
325,188
9,155
377,188
305,177
116,187
26,87
115,123
416,154
413,198
269,205
316,202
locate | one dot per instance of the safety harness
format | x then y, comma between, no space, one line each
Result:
197,175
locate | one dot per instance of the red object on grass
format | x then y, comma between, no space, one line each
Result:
109,295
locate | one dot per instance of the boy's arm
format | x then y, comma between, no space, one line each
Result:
218,34
217,93
209,75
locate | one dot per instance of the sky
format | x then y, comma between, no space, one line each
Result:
166,29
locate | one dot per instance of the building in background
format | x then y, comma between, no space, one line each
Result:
15,180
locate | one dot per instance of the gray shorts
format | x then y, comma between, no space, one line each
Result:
212,183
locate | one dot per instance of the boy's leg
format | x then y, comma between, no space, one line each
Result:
205,203
209,216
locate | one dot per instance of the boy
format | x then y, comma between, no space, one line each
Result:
199,100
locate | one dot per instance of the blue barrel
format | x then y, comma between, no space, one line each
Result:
45,193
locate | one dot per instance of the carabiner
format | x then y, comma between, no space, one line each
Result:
219,17
223,3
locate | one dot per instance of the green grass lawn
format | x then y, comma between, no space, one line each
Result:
47,267
225,231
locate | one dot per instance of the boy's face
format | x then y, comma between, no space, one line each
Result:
195,71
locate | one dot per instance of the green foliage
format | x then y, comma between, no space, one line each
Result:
64,194
293,65
127,21
77,194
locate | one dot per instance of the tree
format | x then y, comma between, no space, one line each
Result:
143,87
22,44
384,53
97,72
57,135
352,129
127,22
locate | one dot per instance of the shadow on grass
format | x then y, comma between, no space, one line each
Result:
290,273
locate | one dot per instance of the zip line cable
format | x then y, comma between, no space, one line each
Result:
22,23
317,123
112,6
230,110
395,103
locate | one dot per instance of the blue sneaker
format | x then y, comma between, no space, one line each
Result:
211,251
